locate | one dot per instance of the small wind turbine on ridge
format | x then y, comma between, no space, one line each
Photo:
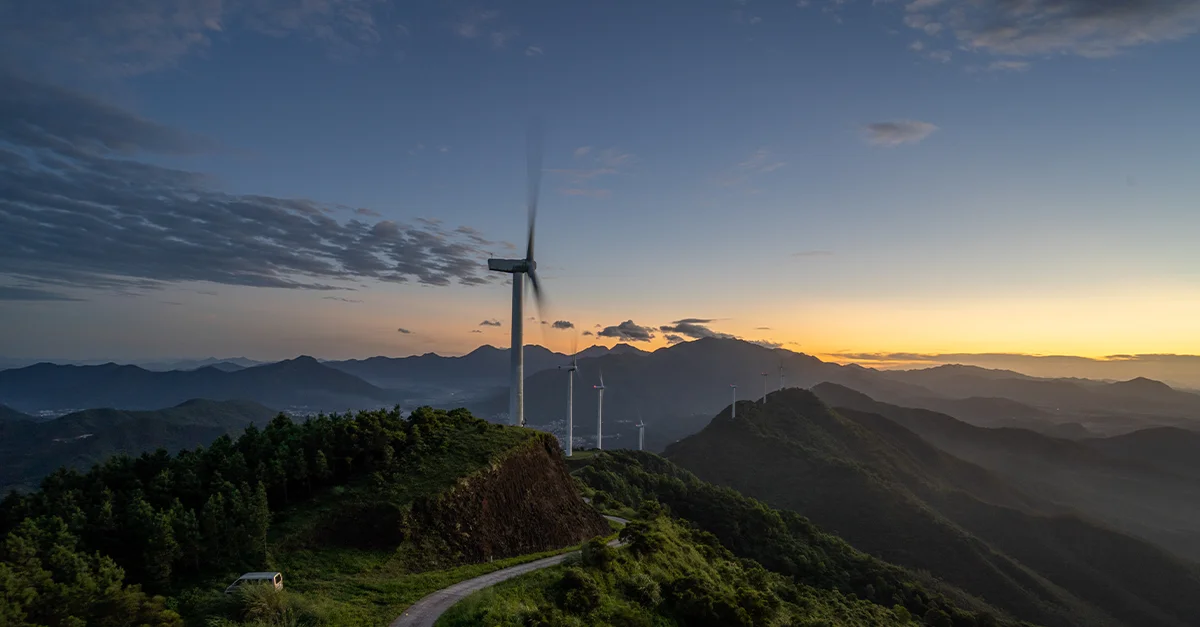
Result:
764,376
600,413
733,407
571,395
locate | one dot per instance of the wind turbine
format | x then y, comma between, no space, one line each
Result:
781,376
733,407
571,399
600,413
641,435
764,376
519,268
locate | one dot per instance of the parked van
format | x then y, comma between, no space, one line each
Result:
275,579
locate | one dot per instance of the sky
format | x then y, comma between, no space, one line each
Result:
873,181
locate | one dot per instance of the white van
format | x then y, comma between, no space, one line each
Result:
275,579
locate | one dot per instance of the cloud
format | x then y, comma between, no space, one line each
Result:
500,39
767,344
694,331
1008,66
404,331
1088,28
78,210
471,24
588,333
533,51
371,213
761,161
674,339
813,253
563,324
11,292
695,321
130,37
476,331
344,300
897,133
606,162
490,323
628,330
762,328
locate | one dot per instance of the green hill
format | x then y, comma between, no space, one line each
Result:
31,450
889,493
363,514
669,575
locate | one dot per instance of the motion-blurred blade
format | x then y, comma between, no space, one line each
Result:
533,155
537,290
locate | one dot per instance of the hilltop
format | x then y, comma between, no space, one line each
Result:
8,413
364,513
891,494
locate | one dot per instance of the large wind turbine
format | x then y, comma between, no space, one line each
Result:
764,376
571,399
733,407
641,435
519,268
600,413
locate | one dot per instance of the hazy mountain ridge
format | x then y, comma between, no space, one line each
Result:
867,479
8,413
297,382
1130,494
32,450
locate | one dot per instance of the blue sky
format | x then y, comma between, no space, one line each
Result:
847,176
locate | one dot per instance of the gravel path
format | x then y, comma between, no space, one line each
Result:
424,613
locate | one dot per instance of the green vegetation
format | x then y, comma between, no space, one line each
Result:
893,495
29,450
781,541
357,511
669,574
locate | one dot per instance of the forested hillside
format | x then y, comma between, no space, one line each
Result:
888,492
316,499
31,450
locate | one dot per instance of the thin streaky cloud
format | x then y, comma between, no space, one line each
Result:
896,133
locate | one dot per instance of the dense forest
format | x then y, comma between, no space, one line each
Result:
158,521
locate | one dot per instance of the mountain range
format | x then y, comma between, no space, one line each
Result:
889,492
31,450
296,383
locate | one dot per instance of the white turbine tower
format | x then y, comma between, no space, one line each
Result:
764,376
733,407
571,399
641,435
519,268
600,413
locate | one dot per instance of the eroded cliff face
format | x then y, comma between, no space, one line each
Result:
524,503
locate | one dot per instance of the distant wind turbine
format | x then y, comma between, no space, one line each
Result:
781,376
519,268
733,408
764,376
600,413
641,435
571,399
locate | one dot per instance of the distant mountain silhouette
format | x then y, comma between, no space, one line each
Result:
1169,448
195,364
888,492
8,413
30,451
485,366
300,382
1127,493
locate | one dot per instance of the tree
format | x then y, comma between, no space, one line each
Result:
937,618
321,467
259,523
187,533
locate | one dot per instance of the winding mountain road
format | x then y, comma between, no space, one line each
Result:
424,613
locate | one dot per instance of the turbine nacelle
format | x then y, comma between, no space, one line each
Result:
512,266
